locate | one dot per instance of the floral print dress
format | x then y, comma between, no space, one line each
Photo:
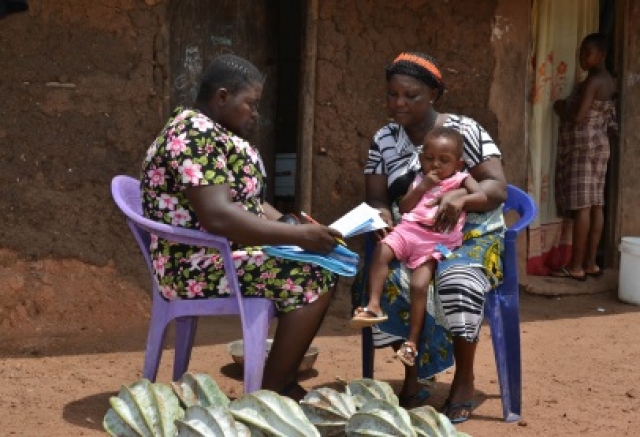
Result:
192,150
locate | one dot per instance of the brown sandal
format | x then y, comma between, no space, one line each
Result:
408,353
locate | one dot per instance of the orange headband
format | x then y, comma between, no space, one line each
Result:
427,65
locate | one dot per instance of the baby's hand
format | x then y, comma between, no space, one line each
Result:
431,179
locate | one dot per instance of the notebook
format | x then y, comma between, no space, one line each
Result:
342,261
361,219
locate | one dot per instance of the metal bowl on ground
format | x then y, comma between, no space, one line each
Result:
236,350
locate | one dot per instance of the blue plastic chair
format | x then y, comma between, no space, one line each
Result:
255,313
501,308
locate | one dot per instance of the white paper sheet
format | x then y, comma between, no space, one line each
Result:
361,219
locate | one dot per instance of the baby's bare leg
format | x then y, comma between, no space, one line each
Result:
379,269
419,287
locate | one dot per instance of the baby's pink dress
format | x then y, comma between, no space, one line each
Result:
412,242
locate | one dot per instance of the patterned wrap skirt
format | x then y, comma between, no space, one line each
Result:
456,309
582,157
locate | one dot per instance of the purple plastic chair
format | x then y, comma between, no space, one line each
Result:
501,309
255,313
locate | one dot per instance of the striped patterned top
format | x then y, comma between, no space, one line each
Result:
393,154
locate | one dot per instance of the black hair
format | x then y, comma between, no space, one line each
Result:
409,68
227,71
597,41
448,133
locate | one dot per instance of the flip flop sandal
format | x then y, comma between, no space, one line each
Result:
364,318
414,400
407,353
450,408
562,272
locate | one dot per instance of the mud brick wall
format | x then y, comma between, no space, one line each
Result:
82,98
630,146
355,41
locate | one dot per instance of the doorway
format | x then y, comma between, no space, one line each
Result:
558,29
611,25
266,32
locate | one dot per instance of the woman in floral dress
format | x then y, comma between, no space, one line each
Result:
201,174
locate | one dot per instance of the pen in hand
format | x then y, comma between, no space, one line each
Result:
312,220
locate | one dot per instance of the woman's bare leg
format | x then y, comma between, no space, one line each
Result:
294,334
593,239
580,235
462,386
410,387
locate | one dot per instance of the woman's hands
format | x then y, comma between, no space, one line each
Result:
451,204
317,238
484,190
559,107
378,197
219,215
385,214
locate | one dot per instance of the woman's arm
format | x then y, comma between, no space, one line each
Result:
491,179
219,215
559,108
474,194
577,111
490,176
377,196
270,212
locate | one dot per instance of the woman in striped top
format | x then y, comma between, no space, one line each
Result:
454,313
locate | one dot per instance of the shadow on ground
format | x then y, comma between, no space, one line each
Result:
88,412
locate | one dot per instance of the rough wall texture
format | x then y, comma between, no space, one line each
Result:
629,157
511,30
82,98
79,105
355,41
84,90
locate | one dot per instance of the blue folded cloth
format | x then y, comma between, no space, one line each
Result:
341,261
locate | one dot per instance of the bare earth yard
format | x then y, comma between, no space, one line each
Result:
581,361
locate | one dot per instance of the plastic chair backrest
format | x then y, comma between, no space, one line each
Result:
521,203
502,309
127,195
255,313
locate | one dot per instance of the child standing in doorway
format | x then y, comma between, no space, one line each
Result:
586,116
415,241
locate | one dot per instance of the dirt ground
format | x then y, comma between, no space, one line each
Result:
580,362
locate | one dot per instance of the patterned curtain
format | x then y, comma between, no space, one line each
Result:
558,29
